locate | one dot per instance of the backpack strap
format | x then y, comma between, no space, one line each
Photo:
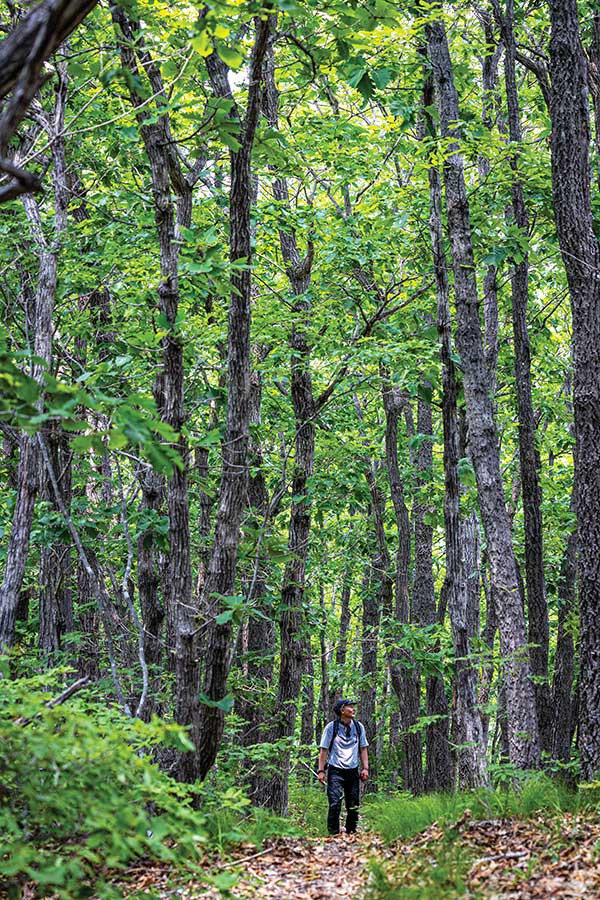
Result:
336,728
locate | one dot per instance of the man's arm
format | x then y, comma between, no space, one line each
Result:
364,758
323,754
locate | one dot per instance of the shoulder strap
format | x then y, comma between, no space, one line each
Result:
336,728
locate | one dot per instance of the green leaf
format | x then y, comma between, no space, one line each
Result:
230,56
224,617
225,704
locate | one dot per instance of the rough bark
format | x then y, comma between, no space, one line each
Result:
298,270
569,113
171,216
438,766
489,78
537,606
468,728
55,598
371,615
38,36
149,581
220,580
377,598
42,327
594,82
483,439
22,56
564,662
254,704
18,544
342,644
307,716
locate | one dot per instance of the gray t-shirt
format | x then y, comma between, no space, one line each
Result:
344,753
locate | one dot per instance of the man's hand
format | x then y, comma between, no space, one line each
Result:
322,776
364,774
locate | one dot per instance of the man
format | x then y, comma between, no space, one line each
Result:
341,747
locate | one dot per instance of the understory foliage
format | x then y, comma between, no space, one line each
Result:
404,816
485,843
82,797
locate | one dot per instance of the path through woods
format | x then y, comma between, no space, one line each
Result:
288,869
536,859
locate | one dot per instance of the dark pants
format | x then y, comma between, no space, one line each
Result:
342,783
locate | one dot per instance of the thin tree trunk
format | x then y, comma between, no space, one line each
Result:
28,470
220,580
489,77
402,666
342,644
298,270
438,767
149,582
55,597
537,606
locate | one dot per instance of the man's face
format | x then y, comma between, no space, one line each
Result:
348,712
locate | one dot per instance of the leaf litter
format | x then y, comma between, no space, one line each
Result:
288,868
542,858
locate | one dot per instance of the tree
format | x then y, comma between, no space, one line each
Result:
581,256
522,719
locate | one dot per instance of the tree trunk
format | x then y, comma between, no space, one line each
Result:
537,606
220,580
298,270
342,644
483,439
55,597
468,727
402,666
149,582
581,256
18,544
490,102
28,471
564,663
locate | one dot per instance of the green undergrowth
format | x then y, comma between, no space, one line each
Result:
439,869
81,798
308,806
403,816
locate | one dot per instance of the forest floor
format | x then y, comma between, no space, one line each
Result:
500,859
289,868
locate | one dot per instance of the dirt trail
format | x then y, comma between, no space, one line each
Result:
537,859
332,868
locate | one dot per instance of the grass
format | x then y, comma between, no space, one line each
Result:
439,869
404,816
308,807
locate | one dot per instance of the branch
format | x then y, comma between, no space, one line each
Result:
22,182
56,701
58,17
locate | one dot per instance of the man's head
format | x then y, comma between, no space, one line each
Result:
344,708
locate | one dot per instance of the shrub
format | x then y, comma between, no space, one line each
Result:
80,795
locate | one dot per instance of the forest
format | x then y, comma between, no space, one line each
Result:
299,402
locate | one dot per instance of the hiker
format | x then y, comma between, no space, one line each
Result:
343,741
